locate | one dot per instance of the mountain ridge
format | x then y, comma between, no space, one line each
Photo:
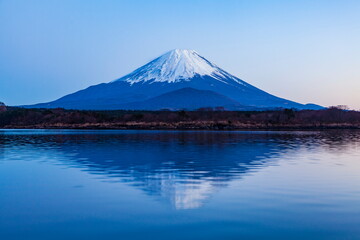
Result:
190,99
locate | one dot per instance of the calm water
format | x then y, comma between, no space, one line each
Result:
179,185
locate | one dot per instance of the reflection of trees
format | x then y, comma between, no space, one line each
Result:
2,145
183,167
340,140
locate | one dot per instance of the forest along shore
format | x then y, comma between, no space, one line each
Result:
207,119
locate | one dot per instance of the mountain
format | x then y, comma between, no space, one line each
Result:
187,98
152,85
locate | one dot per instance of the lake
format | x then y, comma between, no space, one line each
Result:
105,184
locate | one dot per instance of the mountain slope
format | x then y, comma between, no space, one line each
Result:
172,71
189,99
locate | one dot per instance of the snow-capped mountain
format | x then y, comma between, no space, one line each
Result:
178,79
178,65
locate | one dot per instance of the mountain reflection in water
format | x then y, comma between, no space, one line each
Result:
183,168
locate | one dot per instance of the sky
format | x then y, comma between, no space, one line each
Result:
305,51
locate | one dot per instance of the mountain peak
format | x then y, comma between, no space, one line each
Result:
182,51
175,66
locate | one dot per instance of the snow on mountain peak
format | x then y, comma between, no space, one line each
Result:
177,65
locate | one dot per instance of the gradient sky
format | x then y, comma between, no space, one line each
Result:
306,51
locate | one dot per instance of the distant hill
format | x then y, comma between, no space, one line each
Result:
187,99
2,107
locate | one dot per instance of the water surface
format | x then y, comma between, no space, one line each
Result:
69,184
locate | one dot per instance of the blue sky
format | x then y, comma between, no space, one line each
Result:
306,51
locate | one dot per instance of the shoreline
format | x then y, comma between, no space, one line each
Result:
187,127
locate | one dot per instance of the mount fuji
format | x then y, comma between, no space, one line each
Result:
179,79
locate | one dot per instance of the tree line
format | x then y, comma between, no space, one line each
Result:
206,118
